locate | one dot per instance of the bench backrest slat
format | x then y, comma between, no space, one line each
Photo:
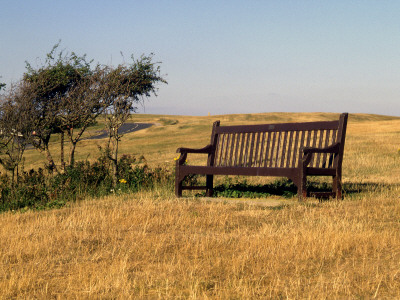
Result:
275,145
272,147
332,156
261,154
228,139
289,148
292,160
278,127
314,144
326,144
231,149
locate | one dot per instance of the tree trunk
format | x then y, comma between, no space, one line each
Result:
115,161
12,178
62,151
52,165
72,154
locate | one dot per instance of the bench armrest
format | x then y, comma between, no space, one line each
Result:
206,149
308,151
184,152
330,149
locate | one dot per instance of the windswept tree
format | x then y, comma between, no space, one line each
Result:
124,87
15,128
65,95
52,84
80,108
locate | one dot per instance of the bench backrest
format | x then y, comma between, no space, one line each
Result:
276,145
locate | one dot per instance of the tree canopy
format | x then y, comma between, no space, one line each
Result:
66,93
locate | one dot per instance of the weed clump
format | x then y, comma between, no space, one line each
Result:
38,189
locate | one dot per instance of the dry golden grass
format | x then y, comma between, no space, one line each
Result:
152,245
146,247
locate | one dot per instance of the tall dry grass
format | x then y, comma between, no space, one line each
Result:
152,245
166,248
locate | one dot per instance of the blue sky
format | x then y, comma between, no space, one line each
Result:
223,57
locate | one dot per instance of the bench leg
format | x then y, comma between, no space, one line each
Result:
337,186
178,188
302,187
209,185
178,183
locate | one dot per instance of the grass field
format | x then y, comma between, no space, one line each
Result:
152,245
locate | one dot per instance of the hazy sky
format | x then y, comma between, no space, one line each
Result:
223,57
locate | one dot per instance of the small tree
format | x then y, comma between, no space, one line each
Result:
14,128
80,108
52,84
124,87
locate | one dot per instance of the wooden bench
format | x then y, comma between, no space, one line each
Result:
292,150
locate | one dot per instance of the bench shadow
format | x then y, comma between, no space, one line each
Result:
351,188
286,188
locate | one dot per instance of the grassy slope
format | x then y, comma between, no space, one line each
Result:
152,245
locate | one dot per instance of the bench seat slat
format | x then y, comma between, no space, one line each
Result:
252,171
321,171
244,171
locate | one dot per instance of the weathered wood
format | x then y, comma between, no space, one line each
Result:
293,150
278,127
268,149
243,138
332,155
256,159
232,148
226,150
320,140
272,149
296,149
284,150
262,150
238,136
252,136
221,146
323,160
289,151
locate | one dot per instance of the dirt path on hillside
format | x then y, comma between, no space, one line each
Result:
125,128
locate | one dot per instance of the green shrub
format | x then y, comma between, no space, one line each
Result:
35,189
